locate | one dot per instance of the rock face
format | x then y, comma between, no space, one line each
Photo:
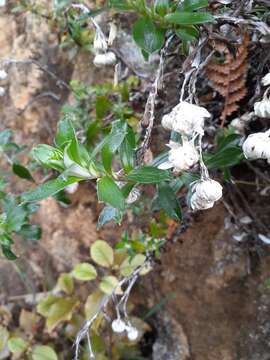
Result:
217,308
171,342
221,307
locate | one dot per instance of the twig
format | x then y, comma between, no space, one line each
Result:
261,26
59,82
37,98
149,112
258,172
84,331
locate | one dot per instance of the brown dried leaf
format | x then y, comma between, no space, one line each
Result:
229,77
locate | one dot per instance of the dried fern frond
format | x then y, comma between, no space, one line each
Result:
227,74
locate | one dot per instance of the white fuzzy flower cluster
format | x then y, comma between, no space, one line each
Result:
257,146
262,108
181,157
266,80
204,194
119,326
186,119
103,57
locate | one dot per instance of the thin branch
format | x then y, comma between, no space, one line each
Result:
37,98
59,82
149,112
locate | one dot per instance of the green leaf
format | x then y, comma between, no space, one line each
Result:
187,33
127,151
168,202
117,135
48,156
65,283
108,284
48,189
22,172
227,157
15,217
102,253
189,18
129,265
17,345
5,137
119,4
61,310
4,335
103,105
65,133
41,352
92,304
184,180
107,156
107,214
109,192
84,272
30,232
8,253
44,305
189,5
149,175
147,36
161,7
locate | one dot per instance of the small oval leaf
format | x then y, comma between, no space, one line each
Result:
102,253
84,272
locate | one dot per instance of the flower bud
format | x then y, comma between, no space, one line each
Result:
118,326
257,146
181,157
262,108
2,91
186,119
108,58
132,333
3,75
205,194
209,190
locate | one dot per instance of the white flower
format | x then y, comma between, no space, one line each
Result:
2,91
72,188
108,58
257,146
3,75
199,204
181,157
205,194
118,326
262,108
100,43
238,125
132,333
186,119
266,80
